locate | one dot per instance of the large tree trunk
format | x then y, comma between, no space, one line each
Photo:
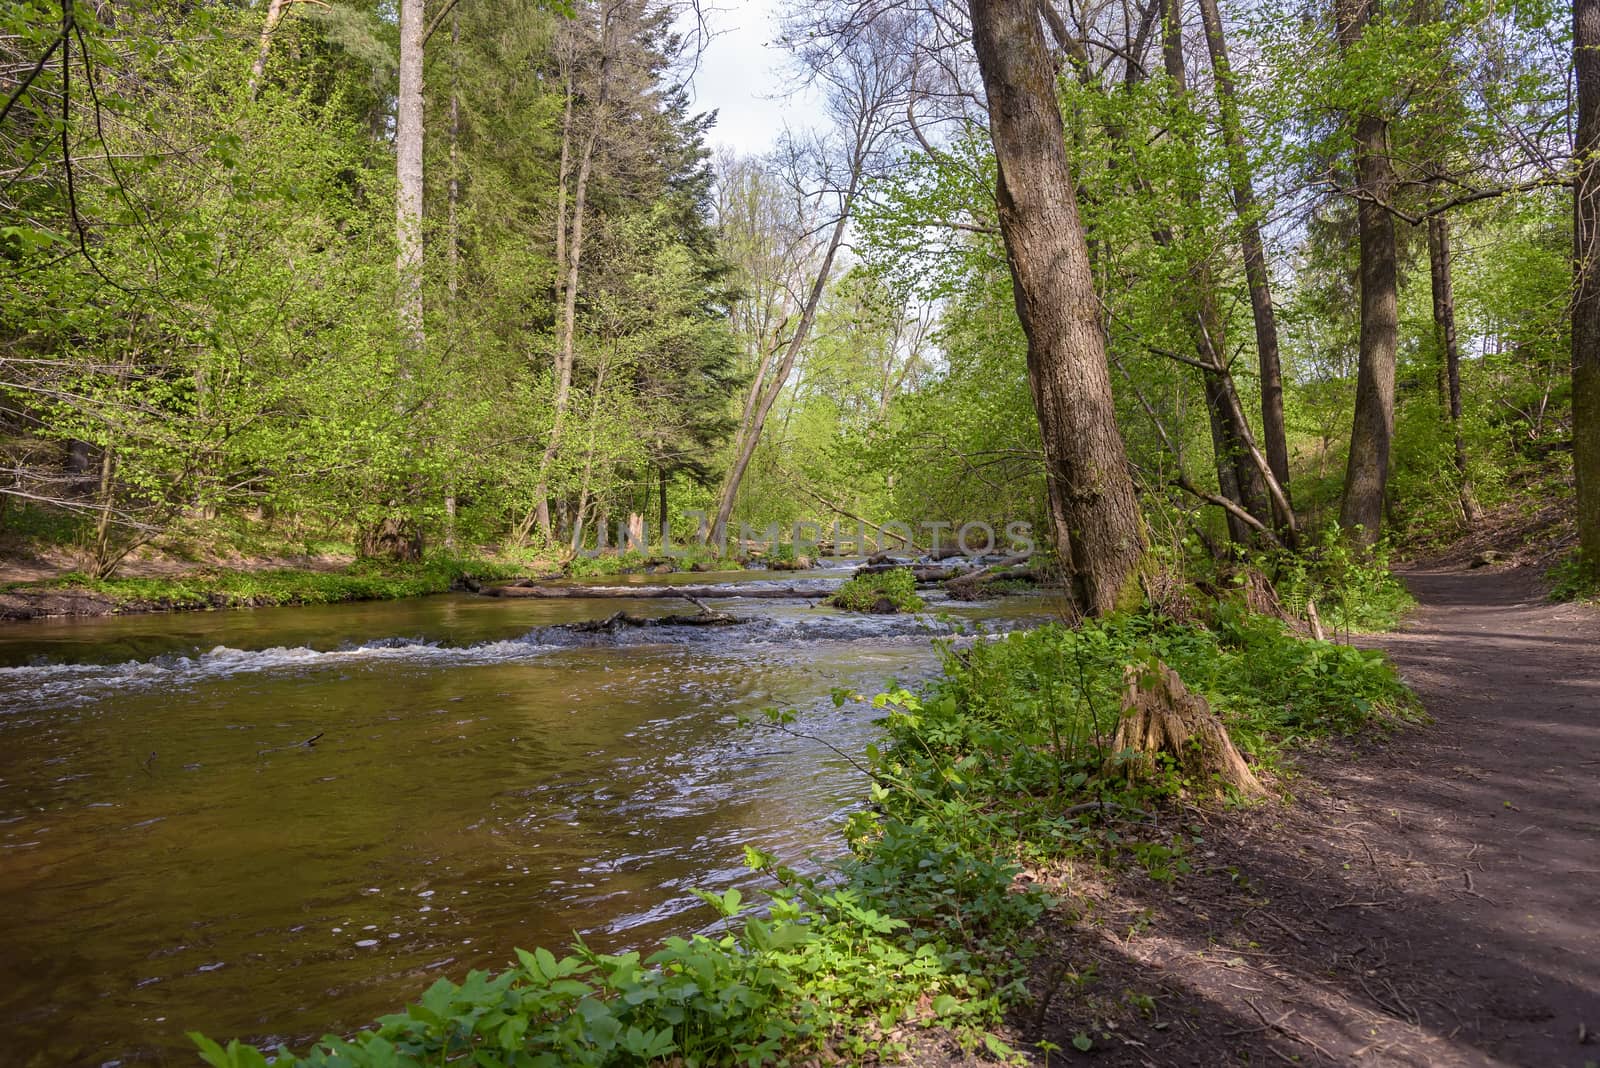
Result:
1098,535
408,171
1444,328
1372,431
1273,433
1586,301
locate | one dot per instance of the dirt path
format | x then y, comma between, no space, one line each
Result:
1431,899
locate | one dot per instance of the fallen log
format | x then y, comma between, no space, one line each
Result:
726,589
966,587
620,620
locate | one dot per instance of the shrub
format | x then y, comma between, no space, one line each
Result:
882,591
602,564
1354,588
1569,582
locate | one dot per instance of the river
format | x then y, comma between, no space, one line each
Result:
173,857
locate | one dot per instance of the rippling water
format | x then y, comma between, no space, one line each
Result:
172,858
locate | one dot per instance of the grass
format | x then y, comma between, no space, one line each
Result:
926,923
221,588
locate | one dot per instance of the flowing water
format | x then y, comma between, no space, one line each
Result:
174,857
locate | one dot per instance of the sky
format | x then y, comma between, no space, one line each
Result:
741,75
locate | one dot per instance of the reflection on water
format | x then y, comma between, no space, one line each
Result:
173,857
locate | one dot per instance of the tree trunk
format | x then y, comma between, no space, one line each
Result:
662,492
1586,300
453,226
1098,535
408,171
1273,432
1372,430
1444,327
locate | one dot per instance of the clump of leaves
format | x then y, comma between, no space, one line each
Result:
883,591
1571,581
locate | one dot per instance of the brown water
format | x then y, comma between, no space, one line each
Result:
171,859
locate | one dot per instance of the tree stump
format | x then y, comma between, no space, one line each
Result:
1160,715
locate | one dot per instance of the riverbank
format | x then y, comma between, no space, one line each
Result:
77,594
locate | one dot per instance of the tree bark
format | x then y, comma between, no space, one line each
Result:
1372,430
1273,433
1444,327
408,171
1098,535
1586,299
453,226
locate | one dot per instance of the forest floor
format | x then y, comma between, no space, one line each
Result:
1429,898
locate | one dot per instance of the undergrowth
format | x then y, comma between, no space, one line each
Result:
1001,764
683,558
1353,587
1570,581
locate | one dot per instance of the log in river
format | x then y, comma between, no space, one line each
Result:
728,589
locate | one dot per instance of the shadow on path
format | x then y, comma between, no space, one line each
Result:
1429,899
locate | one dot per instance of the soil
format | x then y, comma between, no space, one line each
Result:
1429,898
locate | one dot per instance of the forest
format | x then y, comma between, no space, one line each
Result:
1215,316
471,281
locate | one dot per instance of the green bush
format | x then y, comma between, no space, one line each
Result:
603,564
1570,582
1354,588
1017,731
883,591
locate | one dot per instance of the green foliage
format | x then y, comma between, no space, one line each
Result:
1570,581
602,564
1353,587
1008,752
882,591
